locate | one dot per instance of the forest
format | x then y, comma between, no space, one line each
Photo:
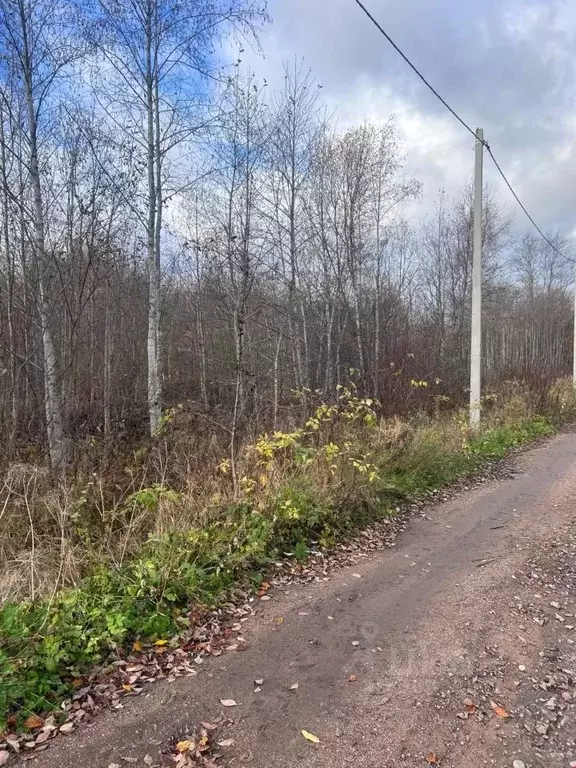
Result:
227,335
175,231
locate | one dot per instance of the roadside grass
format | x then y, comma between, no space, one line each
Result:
341,470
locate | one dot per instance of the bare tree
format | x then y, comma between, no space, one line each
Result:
159,54
40,47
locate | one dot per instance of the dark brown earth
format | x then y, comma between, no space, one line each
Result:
458,615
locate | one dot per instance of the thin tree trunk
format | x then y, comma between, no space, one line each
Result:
276,382
107,367
52,401
154,390
10,290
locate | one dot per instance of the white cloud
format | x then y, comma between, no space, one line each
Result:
506,64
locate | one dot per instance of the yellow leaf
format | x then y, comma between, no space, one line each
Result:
127,687
310,737
137,646
161,642
183,746
279,620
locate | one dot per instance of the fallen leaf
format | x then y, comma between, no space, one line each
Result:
225,743
183,746
259,682
127,687
264,587
4,756
432,758
161,642
228,703
209,726
66,728
294,687
33,722
137,646
279,620
352,678
310,737
500,711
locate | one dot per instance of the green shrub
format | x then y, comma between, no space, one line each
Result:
302,489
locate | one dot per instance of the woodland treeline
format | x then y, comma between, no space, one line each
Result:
175,231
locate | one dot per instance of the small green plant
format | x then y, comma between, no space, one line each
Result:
342,469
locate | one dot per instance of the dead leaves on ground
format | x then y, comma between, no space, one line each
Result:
472,709
200,748
310,737
33,722
499,711
264,587
211,633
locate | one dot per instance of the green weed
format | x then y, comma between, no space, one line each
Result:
339,472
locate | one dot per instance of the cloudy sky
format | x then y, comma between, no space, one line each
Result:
505,65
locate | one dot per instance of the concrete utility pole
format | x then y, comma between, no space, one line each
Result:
476,340
574,358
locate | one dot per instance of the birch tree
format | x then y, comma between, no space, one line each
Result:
39,45
158,61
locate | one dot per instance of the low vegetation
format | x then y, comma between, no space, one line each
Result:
131,571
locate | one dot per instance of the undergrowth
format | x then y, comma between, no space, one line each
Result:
340,470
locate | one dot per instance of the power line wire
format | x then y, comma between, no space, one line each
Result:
521,204
417,71
463,122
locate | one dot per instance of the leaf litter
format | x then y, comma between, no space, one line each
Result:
544,684
125,675
211,632
199,749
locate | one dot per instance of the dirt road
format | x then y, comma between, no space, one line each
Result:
397,659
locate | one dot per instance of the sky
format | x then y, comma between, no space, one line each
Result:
507,66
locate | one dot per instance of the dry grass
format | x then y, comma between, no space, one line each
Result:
50,537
